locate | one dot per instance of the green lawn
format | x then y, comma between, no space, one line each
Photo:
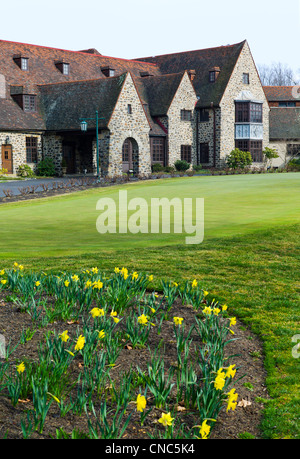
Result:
250,258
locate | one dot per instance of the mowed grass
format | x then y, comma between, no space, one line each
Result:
249,259
234,205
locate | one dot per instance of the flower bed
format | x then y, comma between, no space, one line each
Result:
107,357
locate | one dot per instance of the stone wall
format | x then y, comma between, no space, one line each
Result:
210,132
281,147
18,143
182,132
245,64
124,125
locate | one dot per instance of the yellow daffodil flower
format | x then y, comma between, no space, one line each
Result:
141,403
116,320
97,312
178,320
117,270
124,272
194,283
230,372
232,400
232,321
220,380
75,278
37,283
150,278
64,336
2,272
207,310
21,368
95,270
98,284
101,334
113,313
217,311
88,284
80,343
205,293
166,419
224,307
135,275
3,281
204,430
143,319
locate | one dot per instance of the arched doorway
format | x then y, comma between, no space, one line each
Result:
130,155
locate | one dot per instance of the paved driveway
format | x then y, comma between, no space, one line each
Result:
15,185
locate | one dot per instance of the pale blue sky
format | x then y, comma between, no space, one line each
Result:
139,28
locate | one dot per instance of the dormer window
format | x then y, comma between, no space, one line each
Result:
22,62
213,74
108,71
26,101
63,67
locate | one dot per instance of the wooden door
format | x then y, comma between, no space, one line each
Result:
127,156
70,158
7,160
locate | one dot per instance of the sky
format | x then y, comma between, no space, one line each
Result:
139,28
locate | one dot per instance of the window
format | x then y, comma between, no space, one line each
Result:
29,103
204,115
186,153
204,153
253,146
287,104
246,78
108,71
31,149
24,63
255,113
66,69
212,76
246,112
185,115
158,150
293,149
129,109
125,150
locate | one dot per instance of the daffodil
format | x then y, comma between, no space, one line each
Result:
53,396
21,267
178,320
219,380
75,278
204,430
80,343
3,281
37,284
143,319
2,272
117,270
116,320
98,284
232,321
205,293
224,307
95,270
141,403
64,336
216,311
166,419
88,284
207,310
21,368
194,283
101,334
67,283
97,312
135,275
16,265
232,400
113,313
150,278
230,371
124,272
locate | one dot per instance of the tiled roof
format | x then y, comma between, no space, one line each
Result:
279,93
158,91
202,61
63,104
284,123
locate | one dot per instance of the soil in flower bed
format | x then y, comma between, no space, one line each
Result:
248,358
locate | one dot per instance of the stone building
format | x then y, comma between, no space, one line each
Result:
284,102
197,105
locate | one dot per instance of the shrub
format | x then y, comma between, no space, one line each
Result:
46,168
25,171
182,165
269,154
239,159
169,169
3,171
294,164
197,167
157,167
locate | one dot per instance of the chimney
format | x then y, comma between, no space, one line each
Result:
192,74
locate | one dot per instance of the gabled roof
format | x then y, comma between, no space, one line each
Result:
284,123
158,91
279,93
63,104
202,61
